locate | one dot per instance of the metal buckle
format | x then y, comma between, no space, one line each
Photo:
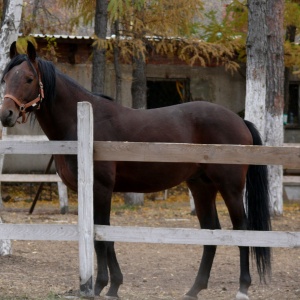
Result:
22,108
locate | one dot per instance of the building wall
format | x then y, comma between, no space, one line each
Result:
210,84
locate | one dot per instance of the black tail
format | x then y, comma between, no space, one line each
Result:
257,206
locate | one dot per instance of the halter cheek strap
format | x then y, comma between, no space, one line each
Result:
33,103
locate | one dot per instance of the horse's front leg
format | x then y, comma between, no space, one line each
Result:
105,252
116,276
102,272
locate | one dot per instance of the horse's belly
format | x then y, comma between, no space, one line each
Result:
67,170
151,177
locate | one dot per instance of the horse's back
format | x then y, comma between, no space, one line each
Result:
192,122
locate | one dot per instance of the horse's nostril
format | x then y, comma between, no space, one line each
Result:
7,117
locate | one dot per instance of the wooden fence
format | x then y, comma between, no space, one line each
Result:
88,150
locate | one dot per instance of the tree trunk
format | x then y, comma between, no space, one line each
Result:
275,96
264,83
117,64
99,58
139,82
9,33
139,101
9,30
256,47
4,8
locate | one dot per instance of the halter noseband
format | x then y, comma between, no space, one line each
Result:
33,103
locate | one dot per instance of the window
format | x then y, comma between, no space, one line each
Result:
293,105
166,92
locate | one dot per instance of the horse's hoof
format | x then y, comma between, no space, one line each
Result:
241,296
111,297
187,297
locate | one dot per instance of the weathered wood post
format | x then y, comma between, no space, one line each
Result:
63,197
85,198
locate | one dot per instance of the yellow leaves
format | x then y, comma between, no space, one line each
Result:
292,14
203,54
23,41
197,52
165,46
100,43
292,56
231,66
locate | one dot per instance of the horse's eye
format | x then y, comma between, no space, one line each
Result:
29,80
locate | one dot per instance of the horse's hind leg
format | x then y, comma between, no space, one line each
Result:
204,194
233,196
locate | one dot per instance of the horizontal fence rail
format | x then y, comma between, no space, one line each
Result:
39,232
188,236
196,153
30,178
198,237
165,152
85,232
38,147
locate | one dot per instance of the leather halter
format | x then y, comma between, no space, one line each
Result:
23,106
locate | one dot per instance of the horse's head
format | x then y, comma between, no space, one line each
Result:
23,88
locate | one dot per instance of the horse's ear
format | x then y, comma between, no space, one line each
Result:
31,53
13,50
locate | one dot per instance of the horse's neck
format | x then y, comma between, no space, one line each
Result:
59,120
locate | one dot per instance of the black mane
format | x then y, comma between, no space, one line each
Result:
48,76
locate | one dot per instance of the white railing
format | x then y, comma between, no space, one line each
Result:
85,232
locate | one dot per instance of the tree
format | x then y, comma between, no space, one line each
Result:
117,66
265,81
275,95
256,47
11,18
9,29
99,57
45,16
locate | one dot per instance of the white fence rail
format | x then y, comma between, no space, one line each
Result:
41,178
85,232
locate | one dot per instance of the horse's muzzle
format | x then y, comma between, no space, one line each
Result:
8,118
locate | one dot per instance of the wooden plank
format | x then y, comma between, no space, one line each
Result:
30,178
164,152
197,236
226,154
5,245
291,180
63,197
39,232
38,147
291,144
29,138
85,198
56,232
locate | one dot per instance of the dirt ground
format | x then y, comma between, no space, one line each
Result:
49,270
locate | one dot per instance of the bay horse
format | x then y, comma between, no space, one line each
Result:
33,85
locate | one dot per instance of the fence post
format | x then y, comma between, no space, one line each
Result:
85,198
63,197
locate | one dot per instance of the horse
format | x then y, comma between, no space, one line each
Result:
34,85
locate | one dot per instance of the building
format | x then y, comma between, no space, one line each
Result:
169,81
